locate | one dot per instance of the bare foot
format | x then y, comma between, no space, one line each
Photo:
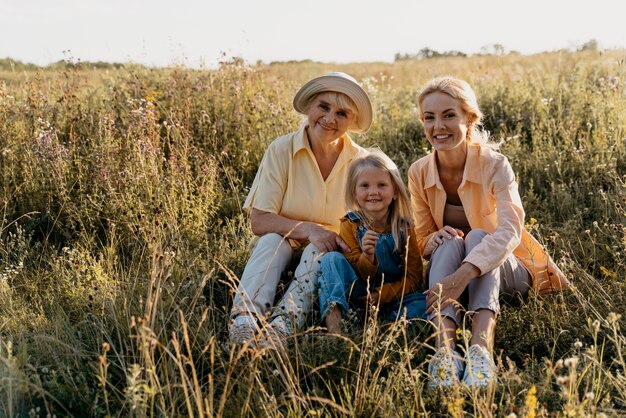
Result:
334,321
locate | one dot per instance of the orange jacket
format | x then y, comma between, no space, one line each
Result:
491,202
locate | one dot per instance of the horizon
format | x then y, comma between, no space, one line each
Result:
487,50
195,33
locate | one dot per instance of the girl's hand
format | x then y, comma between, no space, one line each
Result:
368,245
447,232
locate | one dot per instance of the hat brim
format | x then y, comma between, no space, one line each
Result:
338,84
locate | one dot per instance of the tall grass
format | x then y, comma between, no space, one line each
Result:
122,237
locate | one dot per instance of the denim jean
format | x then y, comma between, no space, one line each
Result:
340,286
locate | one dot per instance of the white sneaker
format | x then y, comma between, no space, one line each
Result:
445,368
242,329
480,368
276,333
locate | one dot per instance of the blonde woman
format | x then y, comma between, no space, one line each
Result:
469,222
294,208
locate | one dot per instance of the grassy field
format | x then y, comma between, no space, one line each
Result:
122,237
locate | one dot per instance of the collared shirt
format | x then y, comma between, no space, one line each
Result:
491,200
289,182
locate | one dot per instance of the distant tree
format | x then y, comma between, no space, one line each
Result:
492,49
427,53
590,45
454,53
15,65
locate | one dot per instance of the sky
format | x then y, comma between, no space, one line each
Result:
199,33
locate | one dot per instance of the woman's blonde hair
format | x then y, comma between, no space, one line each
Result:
339,99
460,90
399,216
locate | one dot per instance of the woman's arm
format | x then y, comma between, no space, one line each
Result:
323,238
508,212
450,288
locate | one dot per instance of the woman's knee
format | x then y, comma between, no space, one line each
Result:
454,244
272,241
270,252
447,257
474,237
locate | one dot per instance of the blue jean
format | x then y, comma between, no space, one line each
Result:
340,286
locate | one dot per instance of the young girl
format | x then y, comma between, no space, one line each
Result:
383,265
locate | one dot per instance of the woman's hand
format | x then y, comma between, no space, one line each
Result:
324,239
368,245
436,239
450,288
447,291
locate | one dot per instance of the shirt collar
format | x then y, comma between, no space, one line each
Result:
301,142
432,176
471,172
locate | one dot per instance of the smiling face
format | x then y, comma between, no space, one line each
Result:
445,122
327,119
374,192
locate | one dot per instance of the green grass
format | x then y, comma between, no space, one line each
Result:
122,237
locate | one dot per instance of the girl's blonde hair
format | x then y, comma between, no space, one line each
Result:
460,90
399,216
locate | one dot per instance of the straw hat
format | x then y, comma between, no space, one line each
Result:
342,83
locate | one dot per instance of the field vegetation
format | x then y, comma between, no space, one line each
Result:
122,238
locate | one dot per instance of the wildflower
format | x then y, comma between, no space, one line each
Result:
563,380
531,401
571,362
613,82
547,100
613,317
578,344
596,325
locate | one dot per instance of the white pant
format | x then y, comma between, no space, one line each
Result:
259,282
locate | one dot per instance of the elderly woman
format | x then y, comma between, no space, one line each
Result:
295,204
469,222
